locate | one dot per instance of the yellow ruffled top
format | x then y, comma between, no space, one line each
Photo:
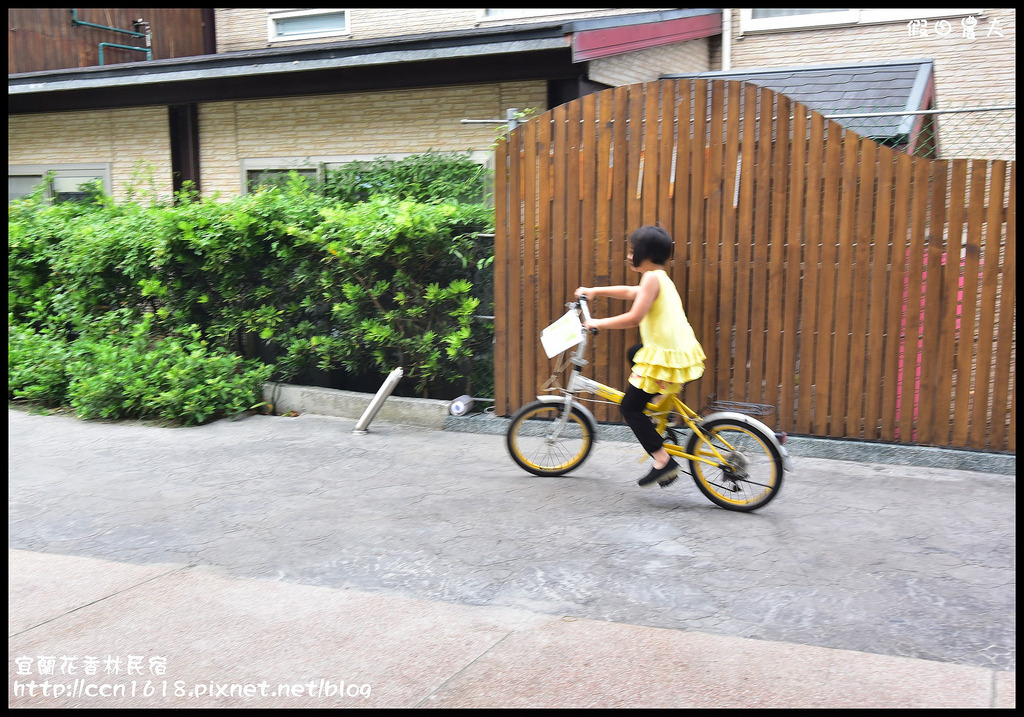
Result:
671,354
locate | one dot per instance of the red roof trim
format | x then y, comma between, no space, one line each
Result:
592,44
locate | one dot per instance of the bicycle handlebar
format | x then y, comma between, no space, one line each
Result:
586,313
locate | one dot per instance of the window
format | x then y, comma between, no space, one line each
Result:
63,182
255,178
21,185
283,25
764,19
263,171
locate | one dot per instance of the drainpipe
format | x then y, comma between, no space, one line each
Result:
727,38
147,35
149,52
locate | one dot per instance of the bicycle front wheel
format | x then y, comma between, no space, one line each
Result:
540,444
751,475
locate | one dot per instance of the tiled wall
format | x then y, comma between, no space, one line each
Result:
134,141
246,28
648,65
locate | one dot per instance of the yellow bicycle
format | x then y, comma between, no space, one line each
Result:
736,461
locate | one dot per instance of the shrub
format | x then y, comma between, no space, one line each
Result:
176,379
36,366
392,290
131,374
285,274
419,177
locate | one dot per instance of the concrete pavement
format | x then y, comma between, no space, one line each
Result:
277,562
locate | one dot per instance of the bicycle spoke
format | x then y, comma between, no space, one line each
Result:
751,473
542,443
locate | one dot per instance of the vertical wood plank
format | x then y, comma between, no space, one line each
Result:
705,324
680,228
739,390
634,148
514,262
650,154
950,292
614,344
777,328
694,298
636,98
895,323
833,170
812,257
603,258
559,189
666,152
910,375
759,295
982,409
532,323
726,299
545,312
969,303
503,370
573,250
1003,400
793,273
1002,413
846,274
857,383
932,330
681,191
878,297
587,190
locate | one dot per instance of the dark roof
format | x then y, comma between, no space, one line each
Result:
848,90
536,50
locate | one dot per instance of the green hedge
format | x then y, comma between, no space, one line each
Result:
120,303
178,379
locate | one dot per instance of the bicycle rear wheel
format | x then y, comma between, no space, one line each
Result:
752,476
537,445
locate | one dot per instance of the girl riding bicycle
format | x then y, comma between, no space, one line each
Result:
668,355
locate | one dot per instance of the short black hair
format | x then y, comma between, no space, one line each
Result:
651,242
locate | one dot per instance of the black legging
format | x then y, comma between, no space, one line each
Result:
632,409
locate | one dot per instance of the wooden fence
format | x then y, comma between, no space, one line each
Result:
862,292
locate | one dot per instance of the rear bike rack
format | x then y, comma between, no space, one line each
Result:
750,409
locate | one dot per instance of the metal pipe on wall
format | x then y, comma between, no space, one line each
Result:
147,35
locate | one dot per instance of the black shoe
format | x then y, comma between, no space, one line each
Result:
663,476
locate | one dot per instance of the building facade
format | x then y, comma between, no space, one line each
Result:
276,89
312,89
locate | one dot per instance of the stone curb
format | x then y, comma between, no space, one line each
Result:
434,414
423,412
